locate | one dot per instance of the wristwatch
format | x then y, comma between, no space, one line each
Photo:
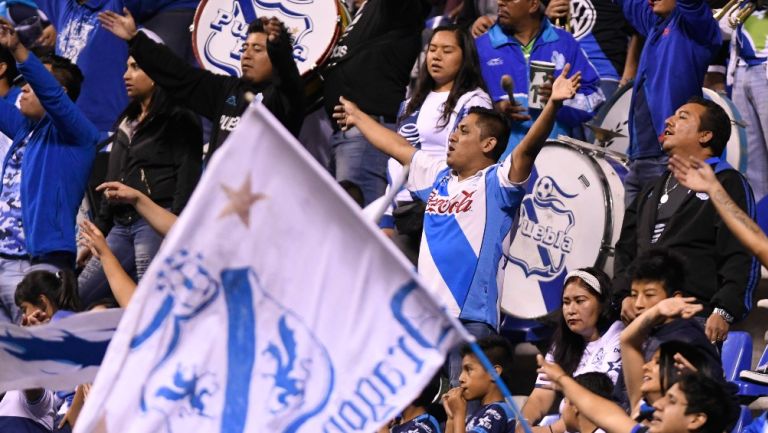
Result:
724,314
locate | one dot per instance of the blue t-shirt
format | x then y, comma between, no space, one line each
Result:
491,418
424,423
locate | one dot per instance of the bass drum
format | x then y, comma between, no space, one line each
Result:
220,28
614,116
571,218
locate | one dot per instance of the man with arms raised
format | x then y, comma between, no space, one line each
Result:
471,201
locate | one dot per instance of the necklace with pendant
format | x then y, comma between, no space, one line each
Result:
665,197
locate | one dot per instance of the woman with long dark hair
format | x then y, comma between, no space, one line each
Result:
586,339
157,150
449,83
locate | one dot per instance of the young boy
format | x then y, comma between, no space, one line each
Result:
656,275
494,416
597,383
415,418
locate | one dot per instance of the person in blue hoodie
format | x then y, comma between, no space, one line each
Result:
681,36
54,146
523,34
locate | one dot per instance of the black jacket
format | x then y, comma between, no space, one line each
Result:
720,270
221,98
163,160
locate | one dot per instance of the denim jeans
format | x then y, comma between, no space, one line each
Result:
11,274
134,246
641,173
354,159
750,95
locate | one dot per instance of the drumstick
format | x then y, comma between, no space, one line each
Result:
509,86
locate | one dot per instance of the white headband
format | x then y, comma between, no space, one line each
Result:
588,278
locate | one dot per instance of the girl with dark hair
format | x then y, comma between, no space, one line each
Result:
586,339
449,83
157,150
47,294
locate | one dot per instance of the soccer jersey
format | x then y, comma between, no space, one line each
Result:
602,356
491,418
424,423
464,225
425,130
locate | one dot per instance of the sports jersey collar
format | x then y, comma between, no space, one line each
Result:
478,174
499,38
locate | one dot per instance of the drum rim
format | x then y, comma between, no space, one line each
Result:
340,10
609,103
608,205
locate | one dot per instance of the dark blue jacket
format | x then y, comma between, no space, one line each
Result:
675,57
502,54
56,164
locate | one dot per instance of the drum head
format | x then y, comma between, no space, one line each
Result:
565,221
736,150
221,26
614,116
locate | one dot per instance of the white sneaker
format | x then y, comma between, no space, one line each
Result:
758,375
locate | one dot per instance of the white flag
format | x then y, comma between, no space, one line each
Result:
59,355
272,306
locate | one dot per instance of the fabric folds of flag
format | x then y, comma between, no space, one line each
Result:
272,306
59,355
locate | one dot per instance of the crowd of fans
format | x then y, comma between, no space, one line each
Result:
103,99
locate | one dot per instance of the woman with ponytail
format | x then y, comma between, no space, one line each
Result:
47,293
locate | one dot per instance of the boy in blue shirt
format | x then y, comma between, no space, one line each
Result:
415,418
495,415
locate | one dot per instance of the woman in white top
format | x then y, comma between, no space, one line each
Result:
586,340
449,84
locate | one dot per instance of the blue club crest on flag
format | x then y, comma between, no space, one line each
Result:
251,319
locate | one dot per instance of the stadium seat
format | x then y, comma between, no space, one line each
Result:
736,354
750,389
524,331
745,418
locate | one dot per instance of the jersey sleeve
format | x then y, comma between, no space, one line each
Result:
508,193
423,174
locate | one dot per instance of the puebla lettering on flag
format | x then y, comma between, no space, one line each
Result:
272,306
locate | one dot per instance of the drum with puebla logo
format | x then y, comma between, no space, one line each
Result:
614,116
220,28
570,218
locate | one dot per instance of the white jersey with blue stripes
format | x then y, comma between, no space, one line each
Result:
465,224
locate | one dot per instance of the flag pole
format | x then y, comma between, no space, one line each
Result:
500,383
397,184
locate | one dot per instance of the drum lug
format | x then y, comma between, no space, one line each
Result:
608,250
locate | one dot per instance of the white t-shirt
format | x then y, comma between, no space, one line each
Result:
16,414
602,356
